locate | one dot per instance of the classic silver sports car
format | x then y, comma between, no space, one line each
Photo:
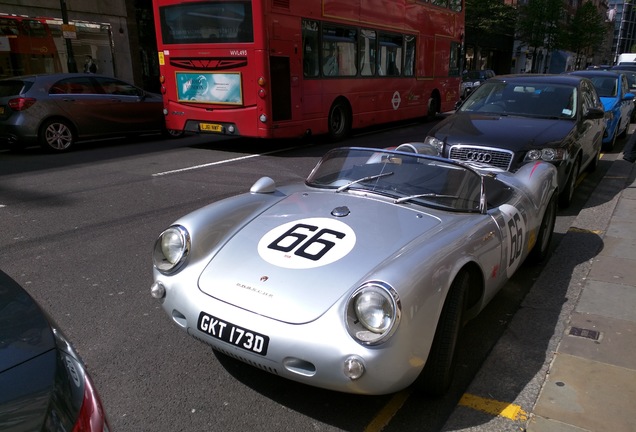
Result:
359,279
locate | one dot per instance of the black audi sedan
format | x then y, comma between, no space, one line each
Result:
44,385
511,120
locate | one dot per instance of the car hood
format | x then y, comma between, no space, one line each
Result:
25,332
609,103
509,132
295,260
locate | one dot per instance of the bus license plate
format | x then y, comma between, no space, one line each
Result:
238,336
211,127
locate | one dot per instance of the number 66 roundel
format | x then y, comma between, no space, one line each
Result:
517,232
307,243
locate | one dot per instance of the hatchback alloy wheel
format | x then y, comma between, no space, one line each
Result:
56,135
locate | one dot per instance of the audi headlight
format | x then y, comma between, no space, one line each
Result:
546,154
373,313
171,249
437,143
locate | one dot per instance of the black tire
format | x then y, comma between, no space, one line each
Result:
437,375
339,121
433,108
594,162
610,145
565,198
174,133
541,248
56,135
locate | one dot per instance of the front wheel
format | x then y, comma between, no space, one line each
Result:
56,135
565,199
339,121
437,375
540,249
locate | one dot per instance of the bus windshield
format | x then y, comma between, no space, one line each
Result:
207,22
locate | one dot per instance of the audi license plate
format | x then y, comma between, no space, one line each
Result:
238,336
211,127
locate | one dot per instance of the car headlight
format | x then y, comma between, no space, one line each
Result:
546,154
437,143
171,249
373,313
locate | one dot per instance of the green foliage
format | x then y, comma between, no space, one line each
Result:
587,30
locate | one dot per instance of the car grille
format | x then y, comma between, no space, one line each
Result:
493,156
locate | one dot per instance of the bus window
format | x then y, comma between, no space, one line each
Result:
339,51
390,54
409,56
455,56
225,22
367,52
311,59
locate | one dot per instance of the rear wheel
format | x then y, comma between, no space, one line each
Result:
540,249
437,374
56,135
610,145
433,108
339,120
568,191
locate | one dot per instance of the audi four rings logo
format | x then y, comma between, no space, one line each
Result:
479,156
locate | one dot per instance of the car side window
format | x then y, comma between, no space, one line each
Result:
113,86
75,85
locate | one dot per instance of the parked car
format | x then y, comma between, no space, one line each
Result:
45,385
359,279
57,110
473,79
512,120
630,74
618,102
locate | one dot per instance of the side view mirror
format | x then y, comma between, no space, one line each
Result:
594,113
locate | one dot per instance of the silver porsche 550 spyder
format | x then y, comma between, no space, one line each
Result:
359,279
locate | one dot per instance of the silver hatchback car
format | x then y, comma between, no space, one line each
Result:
57,110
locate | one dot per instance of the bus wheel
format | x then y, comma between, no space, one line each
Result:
433,108
339,120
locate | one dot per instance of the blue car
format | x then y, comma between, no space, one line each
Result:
613,89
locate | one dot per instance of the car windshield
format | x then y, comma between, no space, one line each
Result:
404,177
523,99
605,86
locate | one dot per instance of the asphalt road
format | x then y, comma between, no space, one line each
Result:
77,233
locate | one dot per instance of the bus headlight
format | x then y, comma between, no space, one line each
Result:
263,118
373,313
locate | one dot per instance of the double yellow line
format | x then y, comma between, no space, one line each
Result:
489,406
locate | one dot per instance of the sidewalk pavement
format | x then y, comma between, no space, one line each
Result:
567,362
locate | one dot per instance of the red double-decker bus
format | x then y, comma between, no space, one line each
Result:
286,68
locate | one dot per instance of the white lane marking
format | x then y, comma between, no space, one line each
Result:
222,162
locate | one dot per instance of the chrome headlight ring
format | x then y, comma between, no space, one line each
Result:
373,313
171,250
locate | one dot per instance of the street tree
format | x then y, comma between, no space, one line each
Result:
539,25
488,17
586,32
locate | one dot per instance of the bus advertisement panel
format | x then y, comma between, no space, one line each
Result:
283,68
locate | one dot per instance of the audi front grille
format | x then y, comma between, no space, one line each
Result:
492,156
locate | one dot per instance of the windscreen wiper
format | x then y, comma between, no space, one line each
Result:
363,179
426,195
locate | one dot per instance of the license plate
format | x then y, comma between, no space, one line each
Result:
211,127
238,336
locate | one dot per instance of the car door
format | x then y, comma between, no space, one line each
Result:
129,108
77,99
591,135
626,105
